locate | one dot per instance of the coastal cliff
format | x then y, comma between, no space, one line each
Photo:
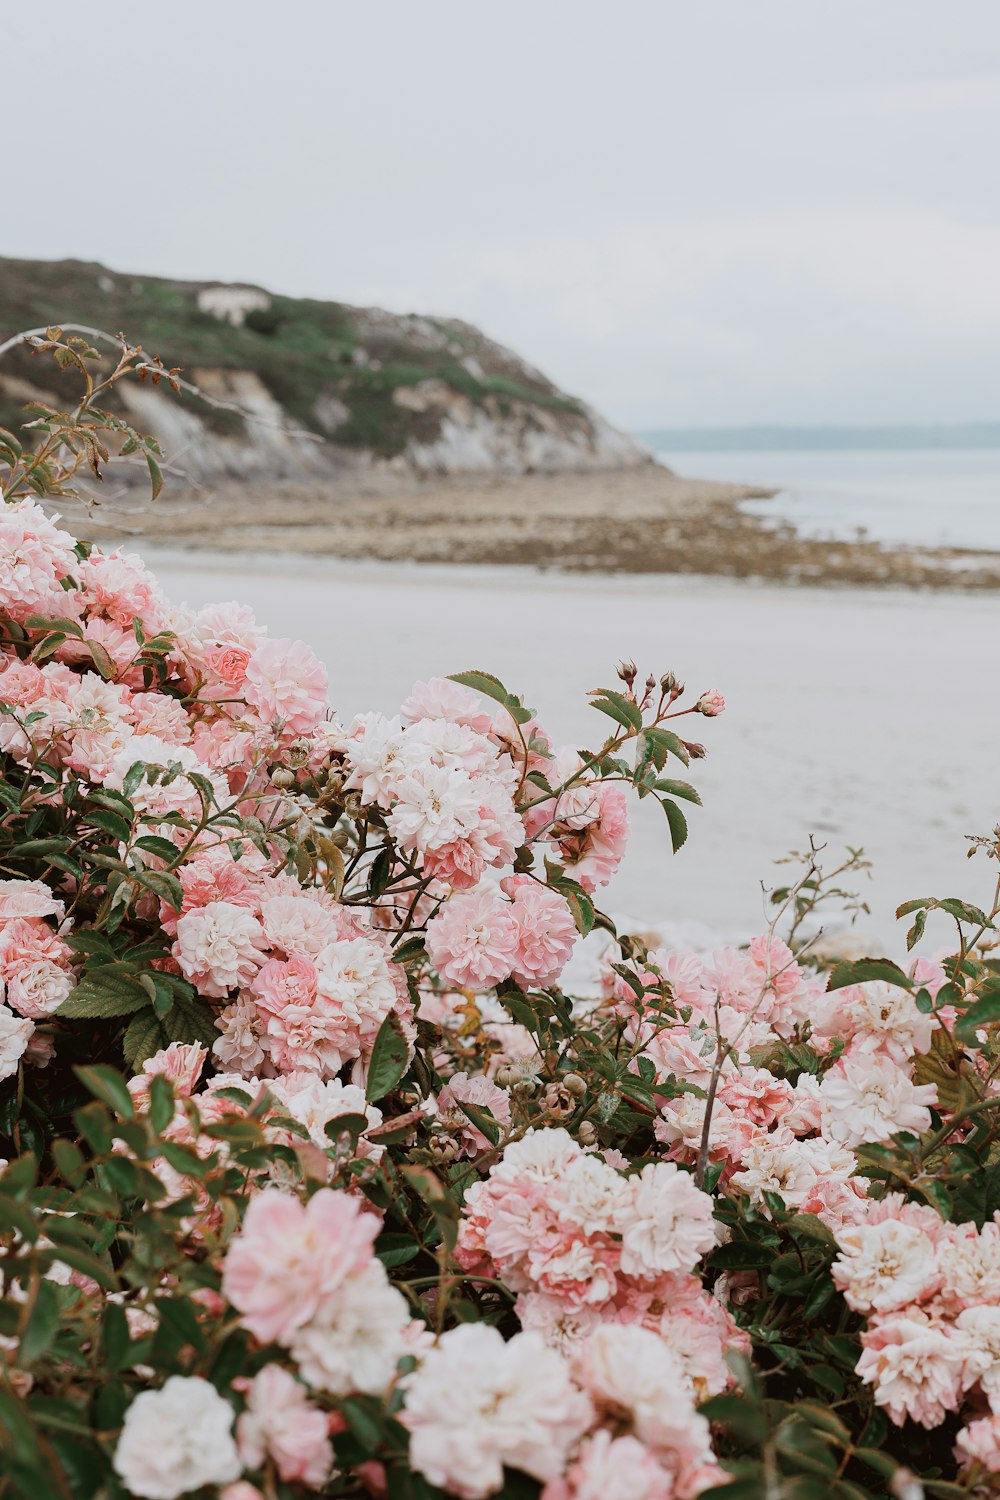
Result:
329,388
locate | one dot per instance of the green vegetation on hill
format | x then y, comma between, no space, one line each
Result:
302,350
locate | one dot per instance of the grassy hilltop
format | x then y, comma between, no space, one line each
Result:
361,378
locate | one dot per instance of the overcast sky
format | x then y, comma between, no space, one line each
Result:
688,211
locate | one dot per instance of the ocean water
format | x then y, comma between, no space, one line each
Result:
927,498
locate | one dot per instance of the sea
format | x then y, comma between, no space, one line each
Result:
929,497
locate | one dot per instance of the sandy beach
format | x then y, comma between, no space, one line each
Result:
862,716
644,520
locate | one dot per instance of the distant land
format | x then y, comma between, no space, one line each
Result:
811,439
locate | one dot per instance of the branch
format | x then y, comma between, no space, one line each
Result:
185,385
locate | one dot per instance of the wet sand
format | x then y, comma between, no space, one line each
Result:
636,521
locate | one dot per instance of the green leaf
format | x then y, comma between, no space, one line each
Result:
492,687
155,476
483,1120
107,1084
677,822
111,822
145,1035
682,789
982,1012
101,992
617,707
963,911
865,970
389,1060
43,1325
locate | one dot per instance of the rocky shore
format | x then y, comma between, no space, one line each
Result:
643,520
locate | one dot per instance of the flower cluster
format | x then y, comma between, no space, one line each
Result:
583,1244
378,1205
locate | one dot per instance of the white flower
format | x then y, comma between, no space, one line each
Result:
591,1194
981,1328
477,1403
355,1341
869,1098
626,1367
15,1034
298,925
434,806
885,1266
796,1170
219,947
666,1223
379,754
970,1263
353,977
177,1439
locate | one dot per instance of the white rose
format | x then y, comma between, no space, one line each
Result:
177,1439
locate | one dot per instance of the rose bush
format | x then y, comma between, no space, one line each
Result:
319,1181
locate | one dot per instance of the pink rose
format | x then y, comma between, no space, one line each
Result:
289,1258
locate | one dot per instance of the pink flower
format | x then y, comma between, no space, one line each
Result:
440,698
121,587
38,989
34,558
610,1468
915,1366
979,1443
180,1063
228,663
286,682
289,1259
546,931
219,947
281,1423
27,898
473,940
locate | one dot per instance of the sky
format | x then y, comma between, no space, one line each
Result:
725,212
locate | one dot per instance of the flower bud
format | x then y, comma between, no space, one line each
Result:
627,672
711,703
574,1085
282,778
587,1133
443,1147
696,751
506,1076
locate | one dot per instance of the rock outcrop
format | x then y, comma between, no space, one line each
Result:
293,389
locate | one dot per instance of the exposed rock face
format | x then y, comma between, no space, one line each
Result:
320,387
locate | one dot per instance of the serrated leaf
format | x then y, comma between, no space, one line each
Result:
677,822
102,993
617,707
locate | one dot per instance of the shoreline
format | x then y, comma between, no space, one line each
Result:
634,523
